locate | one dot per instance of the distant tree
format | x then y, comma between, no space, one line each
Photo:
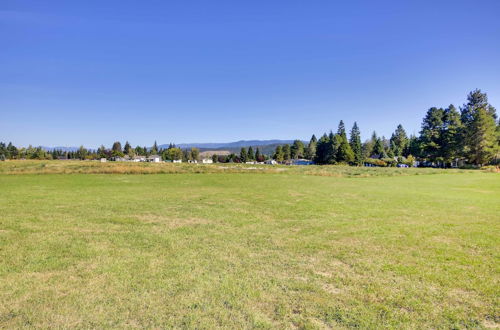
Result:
355,142
310,151
451,146
154,149
287,154
344,152
117,147
430,135
479,128
324,149
243,155
483,144
279,156
369,145
172,154
250,154
379,149
297,149
258,156
399,141
82,153
127,148
214,158
194,154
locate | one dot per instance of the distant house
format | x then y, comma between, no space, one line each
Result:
301,162
252,163
207,161
177,161
154,159
139,159
103,160
194,161
120,159
271,162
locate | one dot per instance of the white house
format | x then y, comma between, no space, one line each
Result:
207,161
139,159
271,162
103,160
177,161
154,159
193,161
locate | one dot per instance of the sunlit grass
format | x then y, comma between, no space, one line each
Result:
248,250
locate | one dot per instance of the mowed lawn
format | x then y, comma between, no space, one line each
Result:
249,250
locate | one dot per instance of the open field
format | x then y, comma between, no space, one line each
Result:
95,167
343,247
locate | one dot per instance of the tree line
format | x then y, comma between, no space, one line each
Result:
448,136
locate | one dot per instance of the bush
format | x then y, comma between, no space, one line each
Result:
376,162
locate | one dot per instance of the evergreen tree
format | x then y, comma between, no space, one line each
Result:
286,152
344,152
430,135
310,151
258,156
243,155
483,145
297,149
154,149
369,145
399,141
251,155
355,142
127,148
478,131
278,154
378,149
322,147
451,134
414,146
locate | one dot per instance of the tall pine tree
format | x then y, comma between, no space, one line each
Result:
355,142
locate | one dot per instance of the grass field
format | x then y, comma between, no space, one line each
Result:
238,250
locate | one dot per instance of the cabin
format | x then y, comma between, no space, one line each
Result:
139,159
154,159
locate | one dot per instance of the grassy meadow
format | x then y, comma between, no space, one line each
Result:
247,247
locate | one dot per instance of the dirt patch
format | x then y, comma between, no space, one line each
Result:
171,222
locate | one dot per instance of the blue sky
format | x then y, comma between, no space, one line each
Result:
92,72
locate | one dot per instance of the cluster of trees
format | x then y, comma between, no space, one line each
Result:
447,136
470,135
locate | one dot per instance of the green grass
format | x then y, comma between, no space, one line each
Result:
246,250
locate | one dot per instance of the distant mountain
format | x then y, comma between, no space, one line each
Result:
265,146
230,145
60,148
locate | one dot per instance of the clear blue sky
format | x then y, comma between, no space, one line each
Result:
91,72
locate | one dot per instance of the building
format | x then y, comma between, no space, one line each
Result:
301,162
103,160
177,161
207,161
154,159
139,159
271,162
